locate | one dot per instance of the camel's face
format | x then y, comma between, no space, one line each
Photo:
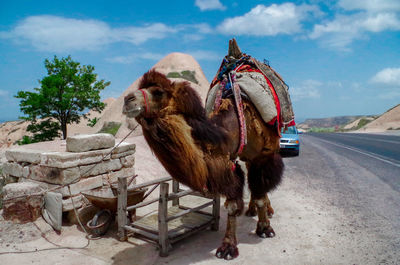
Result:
146,102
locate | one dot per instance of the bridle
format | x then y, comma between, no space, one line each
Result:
146,101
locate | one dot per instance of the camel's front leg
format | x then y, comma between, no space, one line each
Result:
252,210
228,250
264,228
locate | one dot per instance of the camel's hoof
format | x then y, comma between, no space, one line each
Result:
251,212
265,231
227,251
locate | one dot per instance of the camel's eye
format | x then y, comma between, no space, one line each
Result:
157,93
130,98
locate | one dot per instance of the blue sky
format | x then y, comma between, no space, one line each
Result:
338,57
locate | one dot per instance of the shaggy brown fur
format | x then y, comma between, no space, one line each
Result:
186,142
197,150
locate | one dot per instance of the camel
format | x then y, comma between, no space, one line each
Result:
199,149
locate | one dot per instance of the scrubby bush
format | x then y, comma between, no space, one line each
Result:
322,130
110,127
92,122
187,75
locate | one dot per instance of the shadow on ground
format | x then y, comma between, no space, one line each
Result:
199,248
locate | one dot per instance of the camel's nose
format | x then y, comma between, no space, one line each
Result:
132,106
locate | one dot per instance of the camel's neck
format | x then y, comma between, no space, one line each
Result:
171,140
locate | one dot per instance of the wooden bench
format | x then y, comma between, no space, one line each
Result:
169,224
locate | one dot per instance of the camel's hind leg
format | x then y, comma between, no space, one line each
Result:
264,174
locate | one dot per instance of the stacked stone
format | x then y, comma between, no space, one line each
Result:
87,164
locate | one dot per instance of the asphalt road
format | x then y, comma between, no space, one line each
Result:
377,153
356,178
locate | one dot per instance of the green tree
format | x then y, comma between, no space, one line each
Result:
64,94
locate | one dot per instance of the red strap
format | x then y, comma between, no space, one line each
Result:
146,103
274,94
233,168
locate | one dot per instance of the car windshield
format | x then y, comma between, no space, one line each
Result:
290,130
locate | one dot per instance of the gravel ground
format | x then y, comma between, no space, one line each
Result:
328,210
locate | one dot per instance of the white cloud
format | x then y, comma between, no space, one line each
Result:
136,57
139,35
344,29
269,20
57,34
370,5
387,77
209,5
203,28
202,55
381,22
196,32
306,89
199,55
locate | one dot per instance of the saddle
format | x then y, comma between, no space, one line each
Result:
258,83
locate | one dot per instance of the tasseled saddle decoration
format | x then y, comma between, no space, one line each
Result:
229,72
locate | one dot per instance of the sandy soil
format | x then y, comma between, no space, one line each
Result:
310,224
390,120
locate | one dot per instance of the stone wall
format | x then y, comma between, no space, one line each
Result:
83,170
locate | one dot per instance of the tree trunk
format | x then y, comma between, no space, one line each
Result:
64,129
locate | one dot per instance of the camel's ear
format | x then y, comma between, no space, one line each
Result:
187,100
234,49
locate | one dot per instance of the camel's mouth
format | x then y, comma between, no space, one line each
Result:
132,112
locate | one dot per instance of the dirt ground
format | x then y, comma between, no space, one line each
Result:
306,233
311,228
297,242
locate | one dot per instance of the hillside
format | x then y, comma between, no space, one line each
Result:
390,120
328,122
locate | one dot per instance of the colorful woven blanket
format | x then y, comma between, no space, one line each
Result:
263,86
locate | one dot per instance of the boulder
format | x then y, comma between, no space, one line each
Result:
24,155
22,202
54,175
52,212
87,142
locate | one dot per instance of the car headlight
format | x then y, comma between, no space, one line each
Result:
294,141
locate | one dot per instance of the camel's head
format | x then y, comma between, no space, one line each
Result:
157,96
152,97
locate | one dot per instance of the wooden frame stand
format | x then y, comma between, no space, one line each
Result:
169,224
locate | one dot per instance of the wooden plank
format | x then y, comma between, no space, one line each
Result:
176,227
199,211
175,190
142,204
179,194
142,233
147,228
191,232
121,211
184,212
149,183
162,220
216,212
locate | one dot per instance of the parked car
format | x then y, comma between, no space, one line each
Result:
290,141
